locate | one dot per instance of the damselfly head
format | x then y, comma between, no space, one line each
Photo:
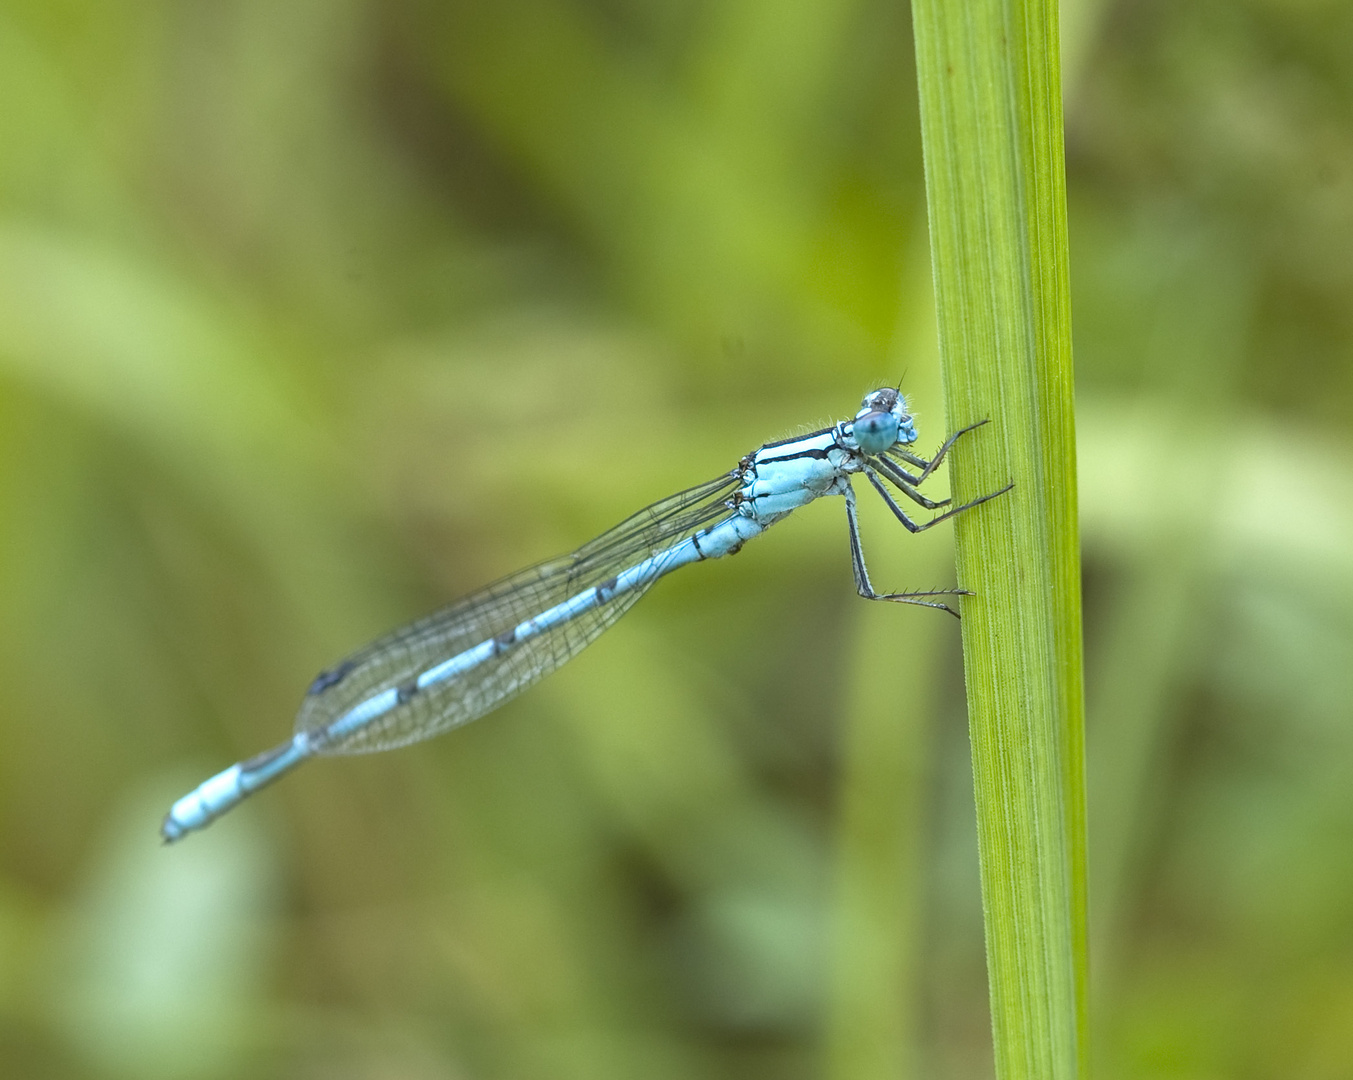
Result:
881,400
883,421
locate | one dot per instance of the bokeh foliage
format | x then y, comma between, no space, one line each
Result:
315,315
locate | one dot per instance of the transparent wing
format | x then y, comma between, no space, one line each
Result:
399,657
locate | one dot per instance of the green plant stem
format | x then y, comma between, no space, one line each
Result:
992,133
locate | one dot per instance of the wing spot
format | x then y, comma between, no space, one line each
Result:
330,678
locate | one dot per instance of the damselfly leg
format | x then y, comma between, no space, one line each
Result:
862,583
928,467
898,477
915,527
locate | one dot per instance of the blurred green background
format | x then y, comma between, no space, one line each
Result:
316,315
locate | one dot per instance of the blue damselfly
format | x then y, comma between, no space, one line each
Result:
467,659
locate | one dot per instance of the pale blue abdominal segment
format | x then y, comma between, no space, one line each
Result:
467,659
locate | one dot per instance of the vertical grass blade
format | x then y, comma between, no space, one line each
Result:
992,131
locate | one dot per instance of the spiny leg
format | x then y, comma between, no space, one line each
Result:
862,585
928,467
900,472
899,479
912,526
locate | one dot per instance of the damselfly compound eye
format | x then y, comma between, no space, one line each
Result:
875,431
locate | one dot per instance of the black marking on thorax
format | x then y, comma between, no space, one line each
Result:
815,452
820,453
